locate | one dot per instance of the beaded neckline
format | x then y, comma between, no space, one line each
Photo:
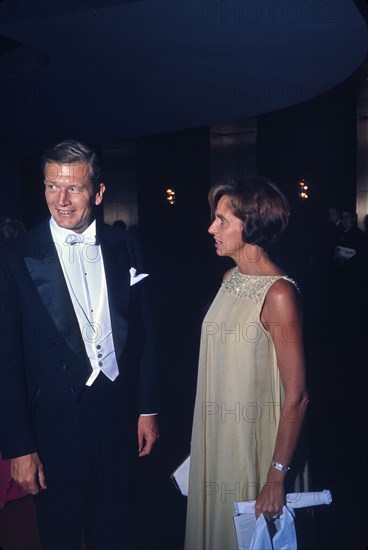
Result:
252,287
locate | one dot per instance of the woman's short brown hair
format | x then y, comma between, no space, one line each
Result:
259,204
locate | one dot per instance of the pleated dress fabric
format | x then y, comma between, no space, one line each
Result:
237,411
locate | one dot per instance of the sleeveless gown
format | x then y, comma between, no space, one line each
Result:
237,411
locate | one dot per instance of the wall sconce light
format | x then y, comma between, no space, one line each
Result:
303,190
170,196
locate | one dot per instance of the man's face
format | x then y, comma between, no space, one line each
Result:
69,195
348,220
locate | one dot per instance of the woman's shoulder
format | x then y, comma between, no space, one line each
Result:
284,290
283,285
227,273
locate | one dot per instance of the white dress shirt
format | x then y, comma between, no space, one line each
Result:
83,268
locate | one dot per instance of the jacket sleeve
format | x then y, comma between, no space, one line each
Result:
149,376
142,324
16,435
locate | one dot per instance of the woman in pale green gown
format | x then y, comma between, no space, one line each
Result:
251,393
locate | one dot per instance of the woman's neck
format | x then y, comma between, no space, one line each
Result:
253,260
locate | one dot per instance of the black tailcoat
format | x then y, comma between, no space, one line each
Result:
43,363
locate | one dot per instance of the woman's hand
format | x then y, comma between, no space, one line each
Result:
271,500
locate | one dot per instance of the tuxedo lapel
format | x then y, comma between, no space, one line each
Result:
116,264
44,267
45,270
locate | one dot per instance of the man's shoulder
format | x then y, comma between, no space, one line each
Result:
41,230
34,242
118,234
125,241
120,238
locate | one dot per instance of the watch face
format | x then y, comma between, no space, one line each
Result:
280,467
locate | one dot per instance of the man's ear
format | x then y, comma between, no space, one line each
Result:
99,194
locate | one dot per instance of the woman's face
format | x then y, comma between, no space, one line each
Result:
227,231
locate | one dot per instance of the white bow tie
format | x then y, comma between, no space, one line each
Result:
76,238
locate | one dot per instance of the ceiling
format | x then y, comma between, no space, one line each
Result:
112,70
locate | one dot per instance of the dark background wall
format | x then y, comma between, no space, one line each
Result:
315,140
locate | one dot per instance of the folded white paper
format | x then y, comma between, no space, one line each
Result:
181,476
344,253
250,532
284,538
303,500
293,500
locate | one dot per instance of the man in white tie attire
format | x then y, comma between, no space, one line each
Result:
78,373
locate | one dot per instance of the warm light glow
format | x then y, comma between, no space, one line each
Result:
303,187
170,196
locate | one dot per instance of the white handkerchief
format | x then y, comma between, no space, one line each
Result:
136,278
